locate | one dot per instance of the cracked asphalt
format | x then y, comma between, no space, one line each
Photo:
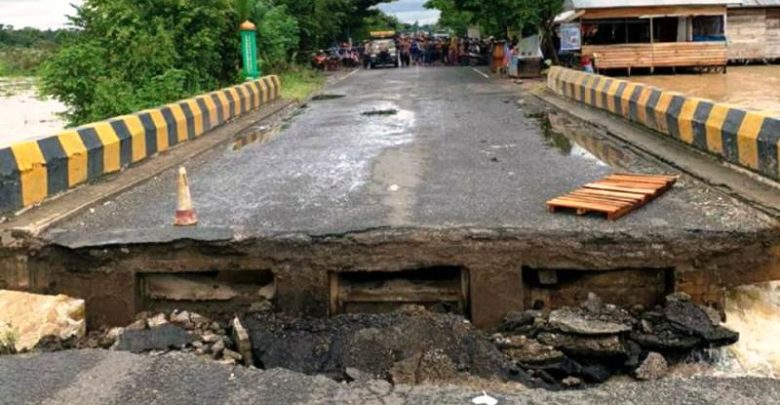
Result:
457,152
87,377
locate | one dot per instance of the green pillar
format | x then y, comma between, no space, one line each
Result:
249,51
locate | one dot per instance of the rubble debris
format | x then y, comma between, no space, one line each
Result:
568,348
583,322
36,316
375,344
157,320
524,350
599,340
163,337
241,338
354,375
654,367
591,346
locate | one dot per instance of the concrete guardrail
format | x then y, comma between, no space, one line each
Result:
32,171
737,135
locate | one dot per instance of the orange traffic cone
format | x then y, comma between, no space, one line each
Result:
185,213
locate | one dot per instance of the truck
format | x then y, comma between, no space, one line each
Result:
381,50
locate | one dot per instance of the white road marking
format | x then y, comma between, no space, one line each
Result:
481,73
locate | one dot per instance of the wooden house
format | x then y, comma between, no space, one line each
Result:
753,30
626,34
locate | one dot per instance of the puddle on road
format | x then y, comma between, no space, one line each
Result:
257,134
571,140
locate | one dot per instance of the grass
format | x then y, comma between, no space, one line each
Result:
300,83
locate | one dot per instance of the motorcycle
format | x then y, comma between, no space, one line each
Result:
319,61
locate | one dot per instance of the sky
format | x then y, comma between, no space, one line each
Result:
41,14
409,11
45,14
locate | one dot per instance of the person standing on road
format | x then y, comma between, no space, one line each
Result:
406,49
415,51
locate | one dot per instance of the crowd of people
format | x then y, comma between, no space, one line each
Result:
412,50
425,50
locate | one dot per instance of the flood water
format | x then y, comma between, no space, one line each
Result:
754,311
753,87
24,114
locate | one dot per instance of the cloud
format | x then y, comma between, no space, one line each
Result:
46,14
41,14
409,11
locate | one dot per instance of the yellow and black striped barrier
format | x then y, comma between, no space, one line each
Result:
31,171
743,137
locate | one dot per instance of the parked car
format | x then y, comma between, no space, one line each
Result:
382,52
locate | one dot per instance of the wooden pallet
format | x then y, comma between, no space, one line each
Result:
615,195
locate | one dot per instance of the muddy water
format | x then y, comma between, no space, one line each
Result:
753,87
754,311
24,114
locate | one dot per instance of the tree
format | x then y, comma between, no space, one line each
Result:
451,17
497,17
127,55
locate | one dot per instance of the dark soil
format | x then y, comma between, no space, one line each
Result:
403,346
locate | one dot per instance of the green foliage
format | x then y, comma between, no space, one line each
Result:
451,17
378,21
497,16
22,51
298,83
27,37
18,61
278,38
129,55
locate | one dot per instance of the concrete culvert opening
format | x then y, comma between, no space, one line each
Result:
442,289
207,292
555,288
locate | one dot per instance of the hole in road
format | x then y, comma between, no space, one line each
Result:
391,111
321,97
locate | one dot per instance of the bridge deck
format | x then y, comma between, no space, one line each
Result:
451,150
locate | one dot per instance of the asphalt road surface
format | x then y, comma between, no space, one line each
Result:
101,377
446,147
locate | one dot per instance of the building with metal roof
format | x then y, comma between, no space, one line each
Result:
632,34
593,4
757,3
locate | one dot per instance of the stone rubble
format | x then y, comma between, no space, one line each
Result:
599,340
654,367
567,348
